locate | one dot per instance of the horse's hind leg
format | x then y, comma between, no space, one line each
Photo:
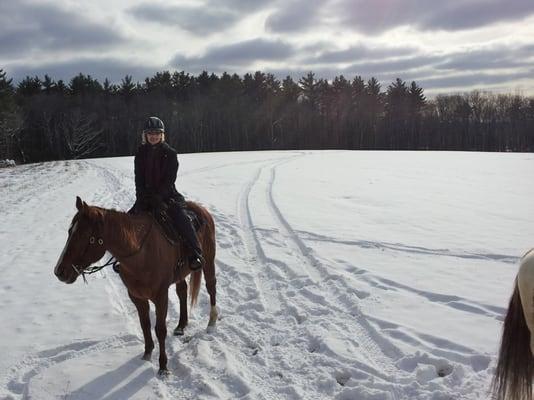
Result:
144,318
211,286
181,291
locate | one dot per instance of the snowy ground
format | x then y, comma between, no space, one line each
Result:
341,275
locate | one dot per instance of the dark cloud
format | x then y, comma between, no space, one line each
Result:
449,15
211,17
25,27
236,55
199,20
490,58
474,14
111,68
359,52
296,15
399,66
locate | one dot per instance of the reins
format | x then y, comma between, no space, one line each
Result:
112,260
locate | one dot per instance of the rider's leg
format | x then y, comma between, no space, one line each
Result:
186,229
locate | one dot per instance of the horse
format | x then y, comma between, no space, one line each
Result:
149,264
515,365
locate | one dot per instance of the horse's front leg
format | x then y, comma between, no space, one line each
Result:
144,318
161,328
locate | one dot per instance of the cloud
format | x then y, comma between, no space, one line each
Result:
489,58
399,66
449,15
473,79
241,6
359,52
25,27
236,55
199,20
297,15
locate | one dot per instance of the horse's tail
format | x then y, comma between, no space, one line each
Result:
206,236
515,366
194,286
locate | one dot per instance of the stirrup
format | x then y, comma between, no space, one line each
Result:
196,262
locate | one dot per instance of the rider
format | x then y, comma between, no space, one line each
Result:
156,166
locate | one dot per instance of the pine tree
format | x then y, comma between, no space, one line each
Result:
10,121
48,85
417,98
29,86
127,88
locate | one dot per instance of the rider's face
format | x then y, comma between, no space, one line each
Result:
154,137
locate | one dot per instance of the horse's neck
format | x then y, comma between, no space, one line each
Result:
124,233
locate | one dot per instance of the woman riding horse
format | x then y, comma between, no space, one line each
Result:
156,167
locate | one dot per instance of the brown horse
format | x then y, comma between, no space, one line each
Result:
149,264
515,366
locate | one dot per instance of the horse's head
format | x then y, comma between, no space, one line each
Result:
84,244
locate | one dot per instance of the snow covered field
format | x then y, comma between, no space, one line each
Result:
341,275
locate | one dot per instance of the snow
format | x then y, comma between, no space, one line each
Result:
341,275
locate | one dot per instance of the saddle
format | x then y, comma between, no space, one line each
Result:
170,232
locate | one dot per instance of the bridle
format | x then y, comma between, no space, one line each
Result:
93,240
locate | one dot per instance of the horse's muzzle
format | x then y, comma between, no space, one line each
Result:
66,275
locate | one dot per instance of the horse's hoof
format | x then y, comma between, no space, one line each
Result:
146,356
211,329
178,331
163,373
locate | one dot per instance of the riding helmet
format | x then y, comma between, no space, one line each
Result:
154,124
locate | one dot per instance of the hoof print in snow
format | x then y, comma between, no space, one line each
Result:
276,340
186,339
342,378
312,348
444,370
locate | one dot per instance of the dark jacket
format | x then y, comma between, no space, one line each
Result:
155,170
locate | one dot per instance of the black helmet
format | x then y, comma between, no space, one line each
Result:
154,124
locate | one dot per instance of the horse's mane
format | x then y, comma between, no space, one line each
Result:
121,225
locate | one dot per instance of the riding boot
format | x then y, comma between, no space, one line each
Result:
185,227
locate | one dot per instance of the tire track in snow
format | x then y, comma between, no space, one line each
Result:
380,351
390,358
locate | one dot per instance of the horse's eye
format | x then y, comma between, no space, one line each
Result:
92,239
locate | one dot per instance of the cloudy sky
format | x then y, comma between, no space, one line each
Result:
445,46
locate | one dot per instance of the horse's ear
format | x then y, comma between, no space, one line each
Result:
79,203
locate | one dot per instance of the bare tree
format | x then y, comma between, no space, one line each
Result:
81,134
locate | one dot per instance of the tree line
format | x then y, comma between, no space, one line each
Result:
43,119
